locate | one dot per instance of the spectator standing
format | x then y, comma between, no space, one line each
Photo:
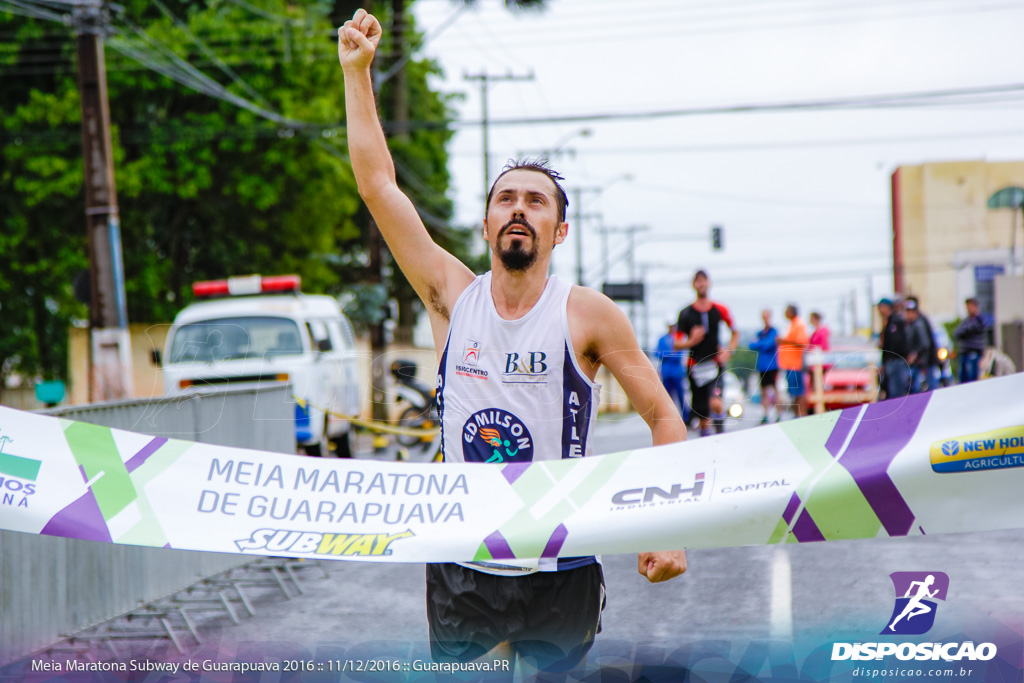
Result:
791,359
767,364
671,370
821,337
923,355
893,342
971,337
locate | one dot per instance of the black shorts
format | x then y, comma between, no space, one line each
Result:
700,397
767,379
549,618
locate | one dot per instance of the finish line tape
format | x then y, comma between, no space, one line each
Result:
945,462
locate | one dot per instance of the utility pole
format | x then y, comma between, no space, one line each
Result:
577,198
871,306
631,231
375,246
110,374
486,78
853,309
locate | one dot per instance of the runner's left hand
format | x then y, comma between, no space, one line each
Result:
662,566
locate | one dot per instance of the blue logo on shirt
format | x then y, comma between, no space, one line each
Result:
497,436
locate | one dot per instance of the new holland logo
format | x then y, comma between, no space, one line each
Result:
316,543
997,449
496,435
916,593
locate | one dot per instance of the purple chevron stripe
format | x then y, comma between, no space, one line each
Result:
841,430
514,470
498,547
556,541
81,519
806,530
885,429
791,509
149,449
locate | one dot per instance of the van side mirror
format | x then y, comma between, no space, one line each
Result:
323,345
156,357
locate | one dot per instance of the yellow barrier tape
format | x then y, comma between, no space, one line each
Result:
373,425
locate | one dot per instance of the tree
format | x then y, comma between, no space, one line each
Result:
206,189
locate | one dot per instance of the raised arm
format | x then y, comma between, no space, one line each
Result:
437,276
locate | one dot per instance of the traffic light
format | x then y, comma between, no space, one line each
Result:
716,237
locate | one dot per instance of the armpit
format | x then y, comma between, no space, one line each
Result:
437,304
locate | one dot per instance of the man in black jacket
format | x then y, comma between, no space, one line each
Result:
971,337
893,342
924,355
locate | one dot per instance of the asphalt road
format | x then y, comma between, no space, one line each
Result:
729,598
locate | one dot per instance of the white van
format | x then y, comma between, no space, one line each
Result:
263,329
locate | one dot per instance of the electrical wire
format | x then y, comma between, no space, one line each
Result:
210,54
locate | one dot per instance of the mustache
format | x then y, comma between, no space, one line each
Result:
520,222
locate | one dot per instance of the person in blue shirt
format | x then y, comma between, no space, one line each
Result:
767,364
672,371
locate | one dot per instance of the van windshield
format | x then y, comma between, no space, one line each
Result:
210,341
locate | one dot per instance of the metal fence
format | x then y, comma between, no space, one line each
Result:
51,587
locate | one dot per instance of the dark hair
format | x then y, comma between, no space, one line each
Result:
972,300
539,165
816,314
701,273
793,307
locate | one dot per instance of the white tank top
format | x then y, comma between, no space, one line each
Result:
512,391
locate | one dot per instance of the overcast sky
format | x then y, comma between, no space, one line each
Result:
797,193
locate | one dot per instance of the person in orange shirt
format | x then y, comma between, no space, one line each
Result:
791,359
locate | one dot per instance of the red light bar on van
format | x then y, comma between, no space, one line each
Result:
248,284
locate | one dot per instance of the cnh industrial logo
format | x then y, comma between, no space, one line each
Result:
917,597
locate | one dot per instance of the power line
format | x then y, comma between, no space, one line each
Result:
281,19
210,54
786,144
667,30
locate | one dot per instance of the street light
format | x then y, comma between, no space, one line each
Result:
559,146
1010,198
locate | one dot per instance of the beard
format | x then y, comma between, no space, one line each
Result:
517,258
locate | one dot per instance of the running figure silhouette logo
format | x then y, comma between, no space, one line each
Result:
916,593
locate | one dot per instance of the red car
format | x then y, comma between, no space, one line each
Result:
849,377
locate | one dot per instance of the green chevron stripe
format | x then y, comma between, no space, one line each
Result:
94,449
829,492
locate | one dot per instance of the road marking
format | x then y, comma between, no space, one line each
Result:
781,625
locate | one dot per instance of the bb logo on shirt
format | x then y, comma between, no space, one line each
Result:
496,435
528,368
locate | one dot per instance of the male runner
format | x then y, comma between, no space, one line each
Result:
518,355
697,330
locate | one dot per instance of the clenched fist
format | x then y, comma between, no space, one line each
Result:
357,40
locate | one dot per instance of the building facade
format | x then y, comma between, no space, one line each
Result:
948,244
